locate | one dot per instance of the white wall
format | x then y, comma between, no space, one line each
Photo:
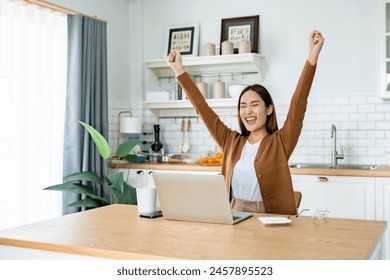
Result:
348,63
344,91
345,88
116,13
137,31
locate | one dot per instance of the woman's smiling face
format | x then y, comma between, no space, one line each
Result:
253,112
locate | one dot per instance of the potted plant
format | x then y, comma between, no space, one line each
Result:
78,182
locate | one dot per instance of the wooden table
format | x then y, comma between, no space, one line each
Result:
117,232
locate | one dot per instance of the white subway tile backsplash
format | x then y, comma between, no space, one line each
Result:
320,100
334,109
340,117
351,108
365,143
382,108
357,100
348,125
366,108
381,142
361,121
342,100
327,117
363,125
383,126
375,152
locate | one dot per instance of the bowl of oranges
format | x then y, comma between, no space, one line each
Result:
210,161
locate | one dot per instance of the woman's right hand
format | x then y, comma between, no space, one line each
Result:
174,60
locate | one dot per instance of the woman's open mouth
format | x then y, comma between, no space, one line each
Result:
250,120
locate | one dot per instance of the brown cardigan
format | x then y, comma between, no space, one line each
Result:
271,162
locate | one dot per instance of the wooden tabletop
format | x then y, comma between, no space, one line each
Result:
117,232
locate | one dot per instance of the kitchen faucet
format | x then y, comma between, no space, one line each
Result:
335,155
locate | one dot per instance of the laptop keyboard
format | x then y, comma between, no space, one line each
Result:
236,217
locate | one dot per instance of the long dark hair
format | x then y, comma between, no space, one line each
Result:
271,123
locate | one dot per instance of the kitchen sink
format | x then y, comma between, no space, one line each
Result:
338,166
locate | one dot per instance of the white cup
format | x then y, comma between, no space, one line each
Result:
146,199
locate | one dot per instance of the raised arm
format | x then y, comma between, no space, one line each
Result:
294,120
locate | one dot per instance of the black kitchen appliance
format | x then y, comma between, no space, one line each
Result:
157,146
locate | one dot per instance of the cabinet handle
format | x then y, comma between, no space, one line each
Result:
140,172
151,172
322,179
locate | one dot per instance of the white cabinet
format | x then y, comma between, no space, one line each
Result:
135,177
344,196
204,172
384,48
383,210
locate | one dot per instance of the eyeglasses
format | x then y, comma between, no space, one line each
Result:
318,216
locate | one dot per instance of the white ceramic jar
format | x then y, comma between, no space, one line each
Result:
209,49
244,46
202,86
227,47
219,90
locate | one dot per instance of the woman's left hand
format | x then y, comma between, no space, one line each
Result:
316,41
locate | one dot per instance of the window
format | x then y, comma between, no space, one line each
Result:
33,48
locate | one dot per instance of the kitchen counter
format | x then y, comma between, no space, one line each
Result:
117,232
381,171
166,166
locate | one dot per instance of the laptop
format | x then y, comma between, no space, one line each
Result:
196,198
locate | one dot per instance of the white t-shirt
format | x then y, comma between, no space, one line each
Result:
244,180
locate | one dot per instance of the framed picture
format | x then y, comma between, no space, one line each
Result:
235,29
184,39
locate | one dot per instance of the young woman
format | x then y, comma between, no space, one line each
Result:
255,162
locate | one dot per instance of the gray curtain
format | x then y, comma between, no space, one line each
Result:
86,99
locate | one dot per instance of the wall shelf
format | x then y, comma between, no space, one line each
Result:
235,64
218,64
185,104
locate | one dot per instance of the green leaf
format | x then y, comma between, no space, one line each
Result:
129,195
126,147
130,158
116,181
87,202
76,188
100,141
71,187
83,176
